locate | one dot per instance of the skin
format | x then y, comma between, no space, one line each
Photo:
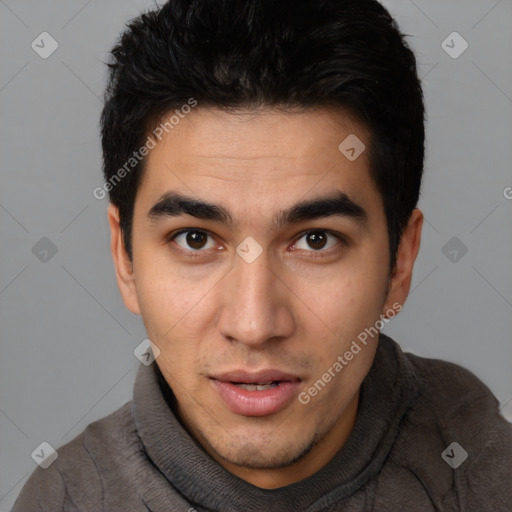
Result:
295,308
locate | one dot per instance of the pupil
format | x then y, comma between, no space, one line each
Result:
316,239
196,239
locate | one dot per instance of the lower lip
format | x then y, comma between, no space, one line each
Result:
256,403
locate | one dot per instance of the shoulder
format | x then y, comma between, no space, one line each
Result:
452,392
454,438
61,486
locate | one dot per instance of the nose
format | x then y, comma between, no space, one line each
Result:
255,308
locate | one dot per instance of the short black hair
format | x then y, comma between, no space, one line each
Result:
250,54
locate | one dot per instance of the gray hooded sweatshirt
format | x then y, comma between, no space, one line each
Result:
401,454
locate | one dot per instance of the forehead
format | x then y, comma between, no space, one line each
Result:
256,161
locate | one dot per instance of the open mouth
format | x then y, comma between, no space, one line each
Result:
260,386
251,395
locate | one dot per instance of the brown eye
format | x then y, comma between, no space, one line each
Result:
318,241
192,239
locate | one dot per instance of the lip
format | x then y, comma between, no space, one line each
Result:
256,403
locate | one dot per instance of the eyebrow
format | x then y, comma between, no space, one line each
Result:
174,204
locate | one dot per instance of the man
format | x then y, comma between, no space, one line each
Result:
263,161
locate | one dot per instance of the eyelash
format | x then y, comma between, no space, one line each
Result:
317,254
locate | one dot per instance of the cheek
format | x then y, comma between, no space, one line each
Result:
168,298
174,308
344,308
345,301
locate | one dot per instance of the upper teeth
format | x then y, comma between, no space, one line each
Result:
257,387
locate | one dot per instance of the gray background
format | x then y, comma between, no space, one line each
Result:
66,339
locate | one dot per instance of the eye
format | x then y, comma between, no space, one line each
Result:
192,240
317,240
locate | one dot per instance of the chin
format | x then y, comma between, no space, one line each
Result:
266,454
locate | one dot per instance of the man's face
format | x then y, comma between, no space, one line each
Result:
220,317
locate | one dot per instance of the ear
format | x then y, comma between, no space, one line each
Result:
400,282
122,263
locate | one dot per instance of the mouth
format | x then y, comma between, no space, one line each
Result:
262,386
256,394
